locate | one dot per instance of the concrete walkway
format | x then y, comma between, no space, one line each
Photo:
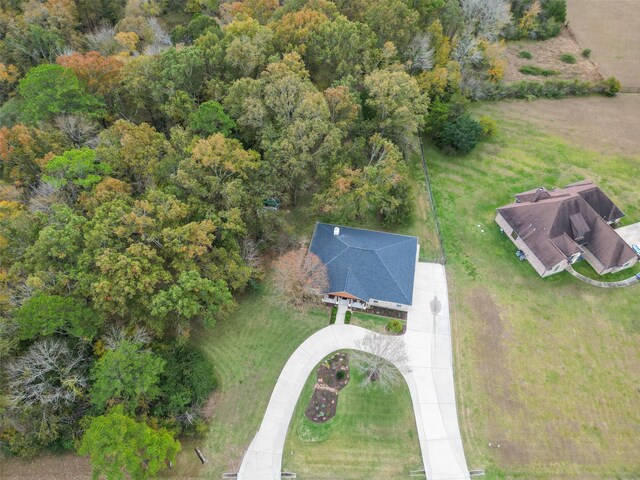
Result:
429,376
597,283
342,311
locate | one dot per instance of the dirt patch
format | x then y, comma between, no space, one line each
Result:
63,467
497,378
333,376
611,29
546,54
600,124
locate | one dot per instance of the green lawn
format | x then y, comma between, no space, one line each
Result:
547,368
373,436
248,351
587,270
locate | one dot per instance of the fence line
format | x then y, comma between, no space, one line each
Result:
443,255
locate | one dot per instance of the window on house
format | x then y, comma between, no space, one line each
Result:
514,235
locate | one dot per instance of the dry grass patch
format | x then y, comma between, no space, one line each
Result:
547,55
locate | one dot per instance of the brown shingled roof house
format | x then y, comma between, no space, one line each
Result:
555,228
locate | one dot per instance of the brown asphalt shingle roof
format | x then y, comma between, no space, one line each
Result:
558,223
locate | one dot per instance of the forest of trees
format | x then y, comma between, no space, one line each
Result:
139,140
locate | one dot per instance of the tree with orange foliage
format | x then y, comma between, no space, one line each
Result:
299,276
22,152
261,10
293,30
100,74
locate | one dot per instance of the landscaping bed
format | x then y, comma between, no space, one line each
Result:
333,376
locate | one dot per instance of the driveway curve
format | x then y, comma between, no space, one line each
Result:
429,376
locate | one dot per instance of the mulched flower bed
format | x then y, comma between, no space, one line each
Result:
386,312
324,401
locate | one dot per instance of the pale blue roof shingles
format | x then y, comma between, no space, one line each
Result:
367,264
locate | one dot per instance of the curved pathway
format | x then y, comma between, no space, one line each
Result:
597,283
429,376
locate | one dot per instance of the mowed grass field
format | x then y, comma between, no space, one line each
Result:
549,369
248,351
372,437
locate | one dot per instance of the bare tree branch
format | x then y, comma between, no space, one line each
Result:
380,360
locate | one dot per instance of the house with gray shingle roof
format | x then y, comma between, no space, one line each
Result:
365,267
555,228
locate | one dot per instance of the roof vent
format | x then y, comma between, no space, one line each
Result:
336,231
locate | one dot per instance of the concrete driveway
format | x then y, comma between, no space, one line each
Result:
630,233
429,376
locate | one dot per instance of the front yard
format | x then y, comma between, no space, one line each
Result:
372,436
546,368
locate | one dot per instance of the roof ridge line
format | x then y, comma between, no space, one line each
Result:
392,245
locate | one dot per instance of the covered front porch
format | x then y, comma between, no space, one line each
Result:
335,298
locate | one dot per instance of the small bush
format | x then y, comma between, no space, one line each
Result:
489,126
341,375
395,326
586,53
609,87
556,9
525,54
334,313
533,70
461,134
347,317
568,58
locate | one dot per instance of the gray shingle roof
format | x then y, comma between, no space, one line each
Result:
367,264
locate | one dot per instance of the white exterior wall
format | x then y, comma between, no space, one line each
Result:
531,257
393,306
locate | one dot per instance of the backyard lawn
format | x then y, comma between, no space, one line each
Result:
372,437
247,350
549,369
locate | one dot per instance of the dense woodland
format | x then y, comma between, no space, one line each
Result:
139,142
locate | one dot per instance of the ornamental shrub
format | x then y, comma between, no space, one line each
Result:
347,318
395,326
334,312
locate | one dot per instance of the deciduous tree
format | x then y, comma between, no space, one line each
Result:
50,90
120,446
378,358
44,315
299,276
126,375
210,118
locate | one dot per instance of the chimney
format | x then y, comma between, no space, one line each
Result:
336,231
